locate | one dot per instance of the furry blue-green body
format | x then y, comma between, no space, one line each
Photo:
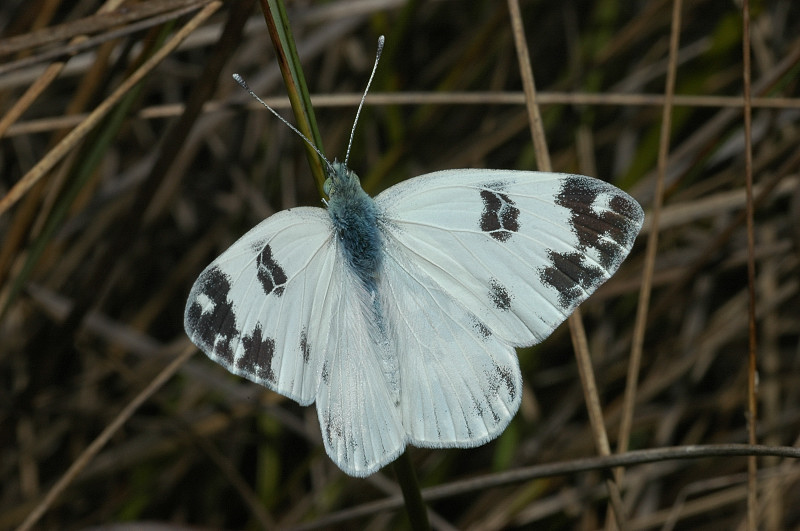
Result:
355,218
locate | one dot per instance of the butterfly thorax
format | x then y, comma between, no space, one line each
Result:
354,216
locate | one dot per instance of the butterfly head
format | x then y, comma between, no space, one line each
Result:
341,182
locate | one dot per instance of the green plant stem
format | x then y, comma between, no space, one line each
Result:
417,512
289,62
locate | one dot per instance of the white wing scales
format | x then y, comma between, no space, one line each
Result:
357,410
258,309
460,386
519,250
474,262
280,308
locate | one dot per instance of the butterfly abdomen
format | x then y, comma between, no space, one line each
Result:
354,216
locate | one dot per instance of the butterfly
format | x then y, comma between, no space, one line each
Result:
399,315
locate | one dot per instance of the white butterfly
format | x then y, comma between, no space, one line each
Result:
399,315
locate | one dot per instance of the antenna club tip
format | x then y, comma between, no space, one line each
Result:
240,80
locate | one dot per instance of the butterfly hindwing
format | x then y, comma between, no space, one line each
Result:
519,250
357,403
460,386
258,309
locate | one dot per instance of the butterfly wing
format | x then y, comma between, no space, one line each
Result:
479,261
280,308
520,250
357,404
258,309
460,385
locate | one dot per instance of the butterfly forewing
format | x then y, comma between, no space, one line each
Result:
281,308
519,250
258,309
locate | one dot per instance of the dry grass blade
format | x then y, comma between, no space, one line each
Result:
92,450
575,323
81,130
752,408
82,43
413,99
637,343
101,252
43,80
102,21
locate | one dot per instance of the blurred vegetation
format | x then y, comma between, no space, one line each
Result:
98,254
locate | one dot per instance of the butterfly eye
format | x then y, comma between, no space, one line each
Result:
328,187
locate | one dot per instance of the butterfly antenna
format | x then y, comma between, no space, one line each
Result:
381,40
245,86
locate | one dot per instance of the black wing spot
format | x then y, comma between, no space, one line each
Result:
258,354
500,217
270,273
496,379
499,295
501,376
627,209
326,373
481,328
571,275
305,348
506,375
609,230
214,328
477,407
333,427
